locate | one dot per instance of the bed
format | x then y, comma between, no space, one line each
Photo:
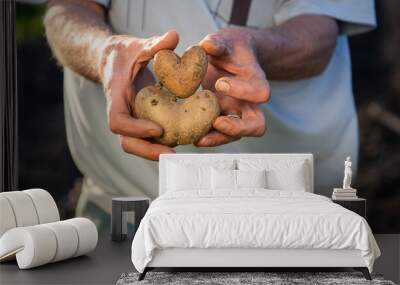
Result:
245,211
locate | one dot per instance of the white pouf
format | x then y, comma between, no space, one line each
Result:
23,208
26,208
45,205
40,244
67,240
33,246
87,234
7,218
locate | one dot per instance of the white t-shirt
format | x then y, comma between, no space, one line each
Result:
315,115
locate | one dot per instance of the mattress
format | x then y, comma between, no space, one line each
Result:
250,218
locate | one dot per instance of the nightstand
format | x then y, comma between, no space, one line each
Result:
357,205
123,206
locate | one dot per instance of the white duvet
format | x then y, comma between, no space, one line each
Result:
250,219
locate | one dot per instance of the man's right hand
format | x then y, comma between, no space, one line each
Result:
122,72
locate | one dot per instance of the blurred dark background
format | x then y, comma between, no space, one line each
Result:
44,158
45,161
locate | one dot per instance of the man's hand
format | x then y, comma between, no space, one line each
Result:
123,72
240,85
81,40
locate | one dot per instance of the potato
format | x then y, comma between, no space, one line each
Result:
183,121
181,76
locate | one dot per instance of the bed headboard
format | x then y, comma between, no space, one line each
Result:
214,157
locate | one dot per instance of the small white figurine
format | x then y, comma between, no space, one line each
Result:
347,174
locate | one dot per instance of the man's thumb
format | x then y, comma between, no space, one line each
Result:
167,41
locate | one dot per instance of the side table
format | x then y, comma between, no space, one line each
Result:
357,205
121,207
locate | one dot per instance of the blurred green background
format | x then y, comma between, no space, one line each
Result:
29,22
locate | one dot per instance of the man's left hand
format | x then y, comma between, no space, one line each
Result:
240,85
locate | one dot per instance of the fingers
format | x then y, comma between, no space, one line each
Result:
121,122
154,44
143,148
215,45
211,76
234,127
254,91
143,78
167,41
215,138
252,123
244,81
126,125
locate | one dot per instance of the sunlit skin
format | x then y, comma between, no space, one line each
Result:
242,60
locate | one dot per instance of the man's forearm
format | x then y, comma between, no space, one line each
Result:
77,31
297,49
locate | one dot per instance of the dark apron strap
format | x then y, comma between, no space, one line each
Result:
240,12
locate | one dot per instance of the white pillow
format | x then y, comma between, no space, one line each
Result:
227,179
223,179
291,179
182,177
251,178
194,174
282,174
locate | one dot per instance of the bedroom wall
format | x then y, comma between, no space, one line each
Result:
389,262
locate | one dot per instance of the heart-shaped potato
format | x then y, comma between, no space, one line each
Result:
183,121
181,76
